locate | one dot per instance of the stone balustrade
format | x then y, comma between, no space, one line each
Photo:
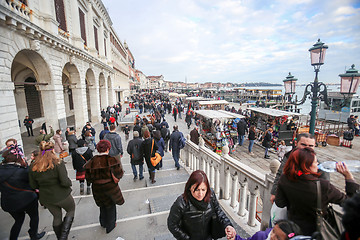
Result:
228,176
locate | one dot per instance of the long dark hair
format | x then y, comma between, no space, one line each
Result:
197,177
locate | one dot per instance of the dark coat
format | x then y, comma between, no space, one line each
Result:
15,189
300,198
134,150
165,133
252,135
72,140
174,140
146,150
161,145
242,127
194,136
100,171
267,140
185,221
53,184
116,146
137,128
77,161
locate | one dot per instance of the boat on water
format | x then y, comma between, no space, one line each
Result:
340,108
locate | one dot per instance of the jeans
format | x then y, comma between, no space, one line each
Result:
29,130
266,151
32,211
141,110
176,156
241,139
141,170
251,144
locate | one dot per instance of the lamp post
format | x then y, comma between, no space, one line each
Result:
349,81
315,90
289,85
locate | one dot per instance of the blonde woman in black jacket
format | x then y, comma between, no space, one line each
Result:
190,215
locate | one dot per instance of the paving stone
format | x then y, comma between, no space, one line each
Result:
162,203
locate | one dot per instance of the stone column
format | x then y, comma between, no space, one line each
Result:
234,190
242,202
227,184
203,165
252,208
217,181
212,176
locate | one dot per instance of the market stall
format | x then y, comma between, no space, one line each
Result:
218,128
283,123
213,105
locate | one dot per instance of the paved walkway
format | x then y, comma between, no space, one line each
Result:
146,208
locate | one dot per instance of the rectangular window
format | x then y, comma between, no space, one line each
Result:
96,39
60,14
105,46
82,26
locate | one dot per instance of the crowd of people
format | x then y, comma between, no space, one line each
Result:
196,213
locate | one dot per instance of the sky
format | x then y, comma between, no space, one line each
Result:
238,40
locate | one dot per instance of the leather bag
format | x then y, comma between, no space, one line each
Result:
217,228
324,227
63,155
157,158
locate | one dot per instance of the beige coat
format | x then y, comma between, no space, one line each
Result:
58,147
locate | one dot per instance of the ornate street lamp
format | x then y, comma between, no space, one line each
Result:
349,81
290,84
315,90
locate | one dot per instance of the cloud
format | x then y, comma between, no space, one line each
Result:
237,40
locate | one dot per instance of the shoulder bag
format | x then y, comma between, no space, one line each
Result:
217,229
157,158
326,228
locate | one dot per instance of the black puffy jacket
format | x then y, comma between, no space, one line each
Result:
187,222
16,192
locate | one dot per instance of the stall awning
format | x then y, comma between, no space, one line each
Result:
213,102
211,114
195,98
273,112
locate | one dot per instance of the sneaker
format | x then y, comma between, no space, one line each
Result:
177,168
267,157
141,178
135,177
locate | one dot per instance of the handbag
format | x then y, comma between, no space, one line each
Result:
217,229
63,155
157,158
323,226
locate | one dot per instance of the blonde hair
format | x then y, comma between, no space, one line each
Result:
282,142
46,159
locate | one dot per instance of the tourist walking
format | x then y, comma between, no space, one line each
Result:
104,172
72,141
267,140
252,137
116,149
148,148
80,156
242,129
161,145
174,145
137,128
88,127
175,113
90,141
281,150
43,136
297,189
136,156
194,135
165,134
48,174
28,122
17,197
103,133
188,119
58,147
191,214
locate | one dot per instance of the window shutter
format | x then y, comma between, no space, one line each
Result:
96,39
82,25
60,14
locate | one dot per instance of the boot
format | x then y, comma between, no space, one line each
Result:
152,176
88,190
66,227
57,230
36,236
82,188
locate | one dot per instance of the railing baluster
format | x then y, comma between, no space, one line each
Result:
227,185
212,176
252,207
234,190
217,181
243,195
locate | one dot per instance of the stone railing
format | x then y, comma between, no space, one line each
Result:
227,176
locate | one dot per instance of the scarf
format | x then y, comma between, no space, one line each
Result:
200,205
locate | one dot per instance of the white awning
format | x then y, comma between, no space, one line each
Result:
274,112
213,102
220,114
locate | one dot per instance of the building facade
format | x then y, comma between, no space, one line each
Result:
57,64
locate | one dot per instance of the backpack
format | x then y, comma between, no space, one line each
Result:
182,141
136,152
